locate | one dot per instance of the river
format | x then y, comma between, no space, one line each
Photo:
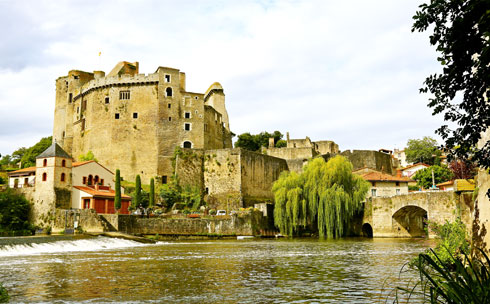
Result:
100,269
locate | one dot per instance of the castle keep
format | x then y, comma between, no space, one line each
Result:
133,122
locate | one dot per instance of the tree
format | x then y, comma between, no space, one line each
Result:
422,150
14,214
117,195
255,142
152,193
441,174
89,156
137,192
28,158
324,197
460,32
462,169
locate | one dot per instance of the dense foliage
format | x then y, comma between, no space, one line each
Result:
27,156
462,169
151,202
137,193
173,193
452,240
324,197
254,142
461,33
14,213
422,150
117,195
85,157
424,176
4,295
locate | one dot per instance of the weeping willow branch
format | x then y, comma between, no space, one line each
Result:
326,193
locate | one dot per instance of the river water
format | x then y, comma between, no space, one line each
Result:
95,270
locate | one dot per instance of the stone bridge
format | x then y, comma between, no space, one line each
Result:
407,215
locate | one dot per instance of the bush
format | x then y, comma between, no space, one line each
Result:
14,214
413,188
4,295
452,242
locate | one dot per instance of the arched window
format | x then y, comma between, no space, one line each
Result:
90,180
45,163
96,179
45,176
63,163
62,177
168,92
187,144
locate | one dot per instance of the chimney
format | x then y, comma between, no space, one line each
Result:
96,186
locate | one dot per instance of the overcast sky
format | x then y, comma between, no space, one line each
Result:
347,71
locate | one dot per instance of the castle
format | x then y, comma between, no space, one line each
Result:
133,122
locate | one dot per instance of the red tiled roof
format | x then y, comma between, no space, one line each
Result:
29,169
414,165
446,183
76,164
381,177
100,193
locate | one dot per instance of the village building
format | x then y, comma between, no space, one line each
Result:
410,170
382,184
457,185
58,182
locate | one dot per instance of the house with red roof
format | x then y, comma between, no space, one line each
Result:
410,171
384,185
90,183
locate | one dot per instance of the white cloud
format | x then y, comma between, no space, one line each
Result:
347,71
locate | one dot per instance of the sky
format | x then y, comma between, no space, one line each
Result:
347,71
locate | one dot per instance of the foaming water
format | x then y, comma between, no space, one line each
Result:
89,244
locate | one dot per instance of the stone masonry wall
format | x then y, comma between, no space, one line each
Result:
371,159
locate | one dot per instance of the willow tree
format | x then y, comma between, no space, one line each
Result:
325,195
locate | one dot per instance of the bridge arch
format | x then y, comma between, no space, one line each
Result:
410,221
367,230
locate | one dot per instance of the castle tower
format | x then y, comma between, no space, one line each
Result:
215,97
53,182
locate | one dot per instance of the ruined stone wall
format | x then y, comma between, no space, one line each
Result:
371,159
88,220
302,153
258,173
253,224
189,164
222,179
326,147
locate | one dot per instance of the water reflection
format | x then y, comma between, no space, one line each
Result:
258,271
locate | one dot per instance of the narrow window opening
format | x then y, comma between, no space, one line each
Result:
90,180
207,190
45,176
78,110
96,179
62,177
195,98
167,78
124,95
63,163
101,182
26,182
135,115
397,184
187,115
63,134
84,181
45,163
373,192
76,77
83,125
205,127
169,105
70,97
107,100
187,126
116,116
168,91
170,119
164,179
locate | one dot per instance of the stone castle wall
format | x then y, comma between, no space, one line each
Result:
371,159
